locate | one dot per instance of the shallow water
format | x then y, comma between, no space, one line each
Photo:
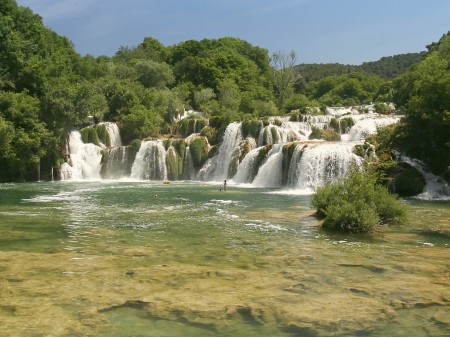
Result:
185,259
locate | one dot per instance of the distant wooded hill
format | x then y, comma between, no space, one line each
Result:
387,67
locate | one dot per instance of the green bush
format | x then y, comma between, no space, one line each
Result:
251,127
315,134
357,204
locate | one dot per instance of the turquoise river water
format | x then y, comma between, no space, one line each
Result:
185,259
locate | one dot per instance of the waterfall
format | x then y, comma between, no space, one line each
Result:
114,134
270,173
320,164
189,170
150,162
216,168
367,125
117,162
436,188
84,160
247,168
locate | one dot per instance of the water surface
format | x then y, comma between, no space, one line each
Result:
185,259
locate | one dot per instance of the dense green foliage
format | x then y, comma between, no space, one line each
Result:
357,204
423,93
47,89
387,67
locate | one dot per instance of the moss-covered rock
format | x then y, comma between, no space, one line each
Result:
103,134
251,127
316,134
262,155
211,134
190,125
287,151
89,135
199,151
406,180
324,134
172,164
330,135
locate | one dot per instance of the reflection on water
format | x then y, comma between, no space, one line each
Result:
185,259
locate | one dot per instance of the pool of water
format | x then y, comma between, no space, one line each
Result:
185,259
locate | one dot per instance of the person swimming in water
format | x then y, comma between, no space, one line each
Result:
225,185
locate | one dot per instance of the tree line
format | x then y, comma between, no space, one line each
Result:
47,89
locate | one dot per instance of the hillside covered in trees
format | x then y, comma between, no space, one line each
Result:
387,67
47,89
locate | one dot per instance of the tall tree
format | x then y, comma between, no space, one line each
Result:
283,75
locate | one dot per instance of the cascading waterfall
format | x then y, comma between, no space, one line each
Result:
273,134
150,162
114,134
321,164
189,169
285,156
435,187
117,162
247,169
270,174
216,168
84,159
367,125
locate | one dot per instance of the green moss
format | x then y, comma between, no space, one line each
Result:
315,134
346,123
199,151
287,151
103,134
275,135
251,127
89,135
212,151
262,154
334,124
172,164
211,134
136,144
330,135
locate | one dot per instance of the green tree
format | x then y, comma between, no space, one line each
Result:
283,75
154,74
423,93
139,123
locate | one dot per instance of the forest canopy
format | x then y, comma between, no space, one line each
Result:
47,89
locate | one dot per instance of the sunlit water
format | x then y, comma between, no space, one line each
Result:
185,259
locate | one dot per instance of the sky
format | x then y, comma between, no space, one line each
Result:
319,31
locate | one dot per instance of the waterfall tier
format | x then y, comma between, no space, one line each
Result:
282,155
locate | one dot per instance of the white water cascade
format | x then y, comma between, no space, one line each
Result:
270,174
435,187
114,134
216,168
84,159
319,164
367,125
285,157
247,168
150,162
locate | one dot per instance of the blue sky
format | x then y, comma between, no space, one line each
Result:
319,31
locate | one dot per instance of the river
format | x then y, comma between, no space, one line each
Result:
142,258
